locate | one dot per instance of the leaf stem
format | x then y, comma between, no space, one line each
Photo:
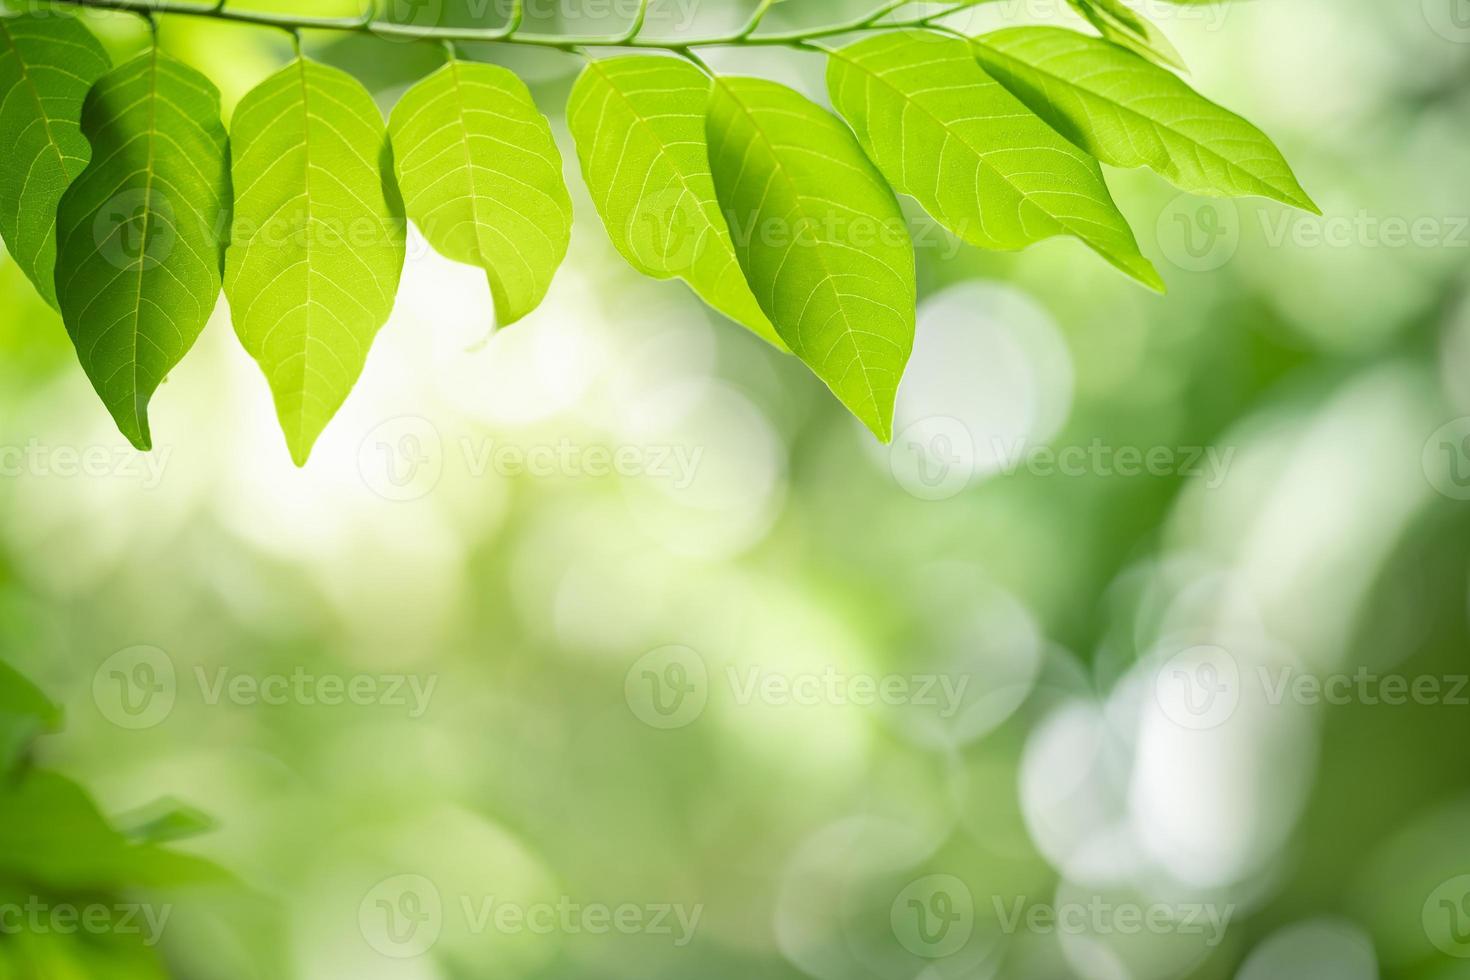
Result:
510,32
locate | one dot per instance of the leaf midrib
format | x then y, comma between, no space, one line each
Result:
306,202
829,276
30,84
141,422
647,124
469,164
1062,221
1126,110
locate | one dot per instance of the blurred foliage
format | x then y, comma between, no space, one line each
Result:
1330,545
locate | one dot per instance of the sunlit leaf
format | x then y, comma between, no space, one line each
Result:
1121,24
820,237
482,179
985,166
639,127
47,64
1131,113
318,239
140,231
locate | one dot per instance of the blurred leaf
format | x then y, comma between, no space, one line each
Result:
482,179
45,955
979,161
25,713
639,127
52,834
1131,113
318,242
163,820
47,64
820,237
138,266
1119,23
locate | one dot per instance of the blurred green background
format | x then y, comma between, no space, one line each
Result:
609,646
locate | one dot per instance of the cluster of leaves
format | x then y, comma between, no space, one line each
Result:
131,207
58,852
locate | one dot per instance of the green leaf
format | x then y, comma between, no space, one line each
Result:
980,162
318,240
1130,113
47,64
482,179
164,819
820,237
53,834
25,712
639,127
140,231
1119,23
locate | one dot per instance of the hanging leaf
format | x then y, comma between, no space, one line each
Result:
820,237
1130,113
482,179
985,166
639,127
140,231
318,239
1121,24
47,64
